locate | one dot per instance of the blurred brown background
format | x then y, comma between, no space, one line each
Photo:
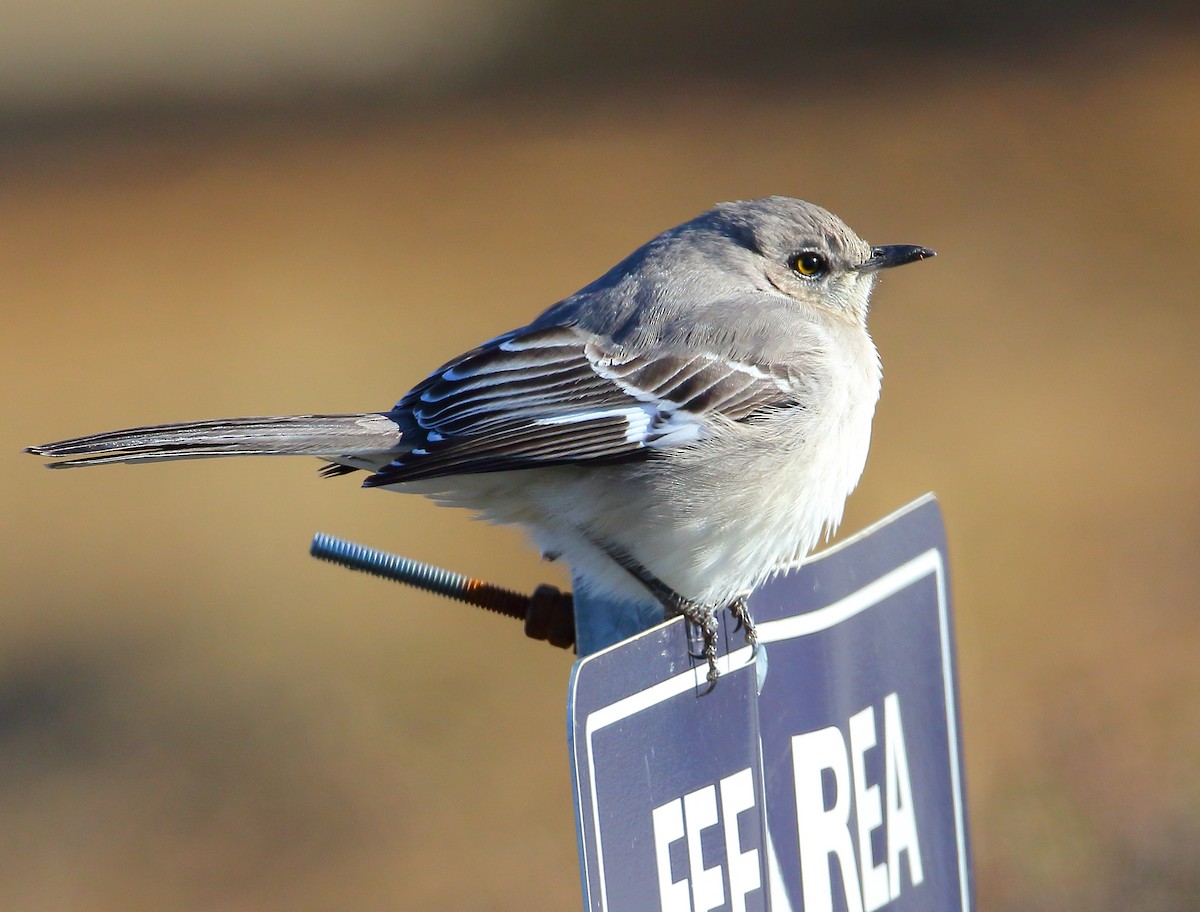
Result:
279,208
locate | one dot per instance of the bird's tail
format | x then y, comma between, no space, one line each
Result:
329,436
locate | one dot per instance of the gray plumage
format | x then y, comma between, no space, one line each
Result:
291,435
701,412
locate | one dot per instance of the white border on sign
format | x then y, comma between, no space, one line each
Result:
925,564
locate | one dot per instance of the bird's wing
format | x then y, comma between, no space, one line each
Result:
559,395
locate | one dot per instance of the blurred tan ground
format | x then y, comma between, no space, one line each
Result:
195,715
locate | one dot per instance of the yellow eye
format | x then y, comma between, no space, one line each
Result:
809,264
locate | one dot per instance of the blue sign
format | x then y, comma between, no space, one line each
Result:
828,779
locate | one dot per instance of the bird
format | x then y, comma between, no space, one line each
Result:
677,430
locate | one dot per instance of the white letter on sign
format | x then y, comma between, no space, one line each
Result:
824,832
868,809
901,815
700,812
737,795
668,827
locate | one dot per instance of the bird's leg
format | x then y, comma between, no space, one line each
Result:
703,616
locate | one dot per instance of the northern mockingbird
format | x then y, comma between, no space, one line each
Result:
676,431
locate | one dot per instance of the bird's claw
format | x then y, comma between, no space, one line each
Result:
741,614
705,618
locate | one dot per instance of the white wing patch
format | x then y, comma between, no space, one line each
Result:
638,420
677,429
650,426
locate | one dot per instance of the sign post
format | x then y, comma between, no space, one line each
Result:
827,778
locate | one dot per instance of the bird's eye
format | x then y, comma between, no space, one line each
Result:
809,264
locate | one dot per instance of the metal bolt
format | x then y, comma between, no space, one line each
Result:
548,613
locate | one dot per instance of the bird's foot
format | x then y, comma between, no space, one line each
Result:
741,614
704,618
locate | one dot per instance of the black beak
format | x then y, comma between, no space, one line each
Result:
894,255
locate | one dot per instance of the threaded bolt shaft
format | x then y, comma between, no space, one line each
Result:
421,575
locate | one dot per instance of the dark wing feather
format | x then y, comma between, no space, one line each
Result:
555,396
